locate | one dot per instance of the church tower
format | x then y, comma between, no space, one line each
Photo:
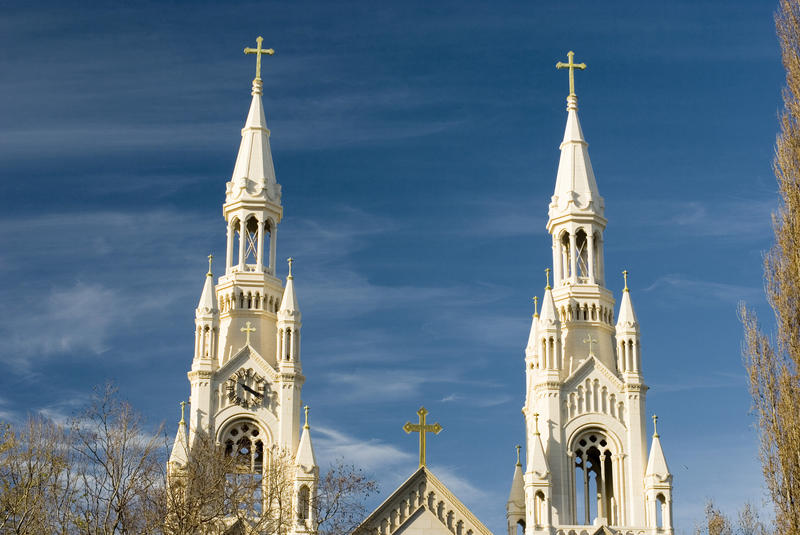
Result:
246,374
587,462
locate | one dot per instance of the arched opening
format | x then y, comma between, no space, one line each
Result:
233,242
661,504
251,242
597,246
538,508
304,504
520,527
268,245
582,249
244,443
566,265
594,477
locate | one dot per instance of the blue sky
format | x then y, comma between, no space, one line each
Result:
417,146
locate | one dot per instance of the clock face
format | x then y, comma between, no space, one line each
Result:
246,388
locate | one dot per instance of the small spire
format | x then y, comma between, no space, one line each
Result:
625,276
655,423
535,306
183,409
306,408
547,277
518,448
210,258
290,260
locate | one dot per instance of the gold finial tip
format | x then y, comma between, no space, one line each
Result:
306,409
518,447
290,261
655,425
625,277
210,258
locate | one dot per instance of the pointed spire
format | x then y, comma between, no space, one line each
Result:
516,498
626,317
576,187
548,307
657,463
208,298
537,461
180,448
533,337
254,170
289,301
305,450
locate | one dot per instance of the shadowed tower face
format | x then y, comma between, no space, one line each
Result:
586,462
246,374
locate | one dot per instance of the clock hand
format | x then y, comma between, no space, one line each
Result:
251,390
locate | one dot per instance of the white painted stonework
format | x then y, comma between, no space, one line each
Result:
587,467
246,374
422,505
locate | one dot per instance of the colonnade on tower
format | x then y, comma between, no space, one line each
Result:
587,467
246,374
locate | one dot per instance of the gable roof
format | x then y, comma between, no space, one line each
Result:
422,490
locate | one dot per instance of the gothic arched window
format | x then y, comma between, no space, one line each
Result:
595,483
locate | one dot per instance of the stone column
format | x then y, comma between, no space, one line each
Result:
590,245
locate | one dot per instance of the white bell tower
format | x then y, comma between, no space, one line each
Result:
587,461
246,375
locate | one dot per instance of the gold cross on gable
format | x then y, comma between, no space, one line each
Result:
258,51
422,428
590,341
247,329
571,66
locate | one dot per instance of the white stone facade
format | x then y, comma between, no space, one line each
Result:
587,464
246,373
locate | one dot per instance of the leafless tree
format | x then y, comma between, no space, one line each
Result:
37,483
773,361
340,503
118,467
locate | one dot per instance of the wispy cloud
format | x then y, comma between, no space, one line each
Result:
370,454
702,292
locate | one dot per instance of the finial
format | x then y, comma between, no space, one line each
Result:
183,408
547,276
518,448
535,423
210,258
625,276
572,99
306,408
655,429
290,260
536,306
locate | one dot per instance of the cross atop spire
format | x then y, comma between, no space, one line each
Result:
258,51
655,423
547,277
518,448
625,276
290,260
536,305
571,65
306,409
183,409
210,258
422,428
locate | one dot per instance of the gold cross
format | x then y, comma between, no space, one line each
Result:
547,276
306,408
248,329
536,305
655,429
625,276
258,51
421,428
571,66
210,258
590,341
183,407
518,448
291,261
